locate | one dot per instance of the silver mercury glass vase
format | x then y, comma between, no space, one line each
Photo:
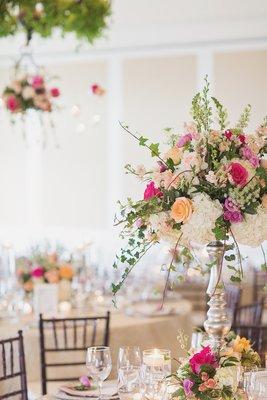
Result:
218,323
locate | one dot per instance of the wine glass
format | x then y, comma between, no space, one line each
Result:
98,363
129,372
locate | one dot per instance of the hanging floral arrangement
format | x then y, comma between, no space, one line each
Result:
29,92
86,18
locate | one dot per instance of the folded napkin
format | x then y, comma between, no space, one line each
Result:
68,392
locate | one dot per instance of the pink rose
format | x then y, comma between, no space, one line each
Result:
205,356
37,81
249,155
233,216
37,272
187,385
210,383
55,92
152,191
184,140
85,381
12,103
230,205
239,174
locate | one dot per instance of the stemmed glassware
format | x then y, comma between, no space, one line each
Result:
98,363
129,373
255,385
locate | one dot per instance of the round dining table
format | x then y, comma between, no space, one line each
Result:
126,329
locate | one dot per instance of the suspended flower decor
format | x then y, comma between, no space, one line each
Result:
29,92
86,18
97,90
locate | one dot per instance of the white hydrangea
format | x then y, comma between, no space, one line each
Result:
199,228
253,230
228,376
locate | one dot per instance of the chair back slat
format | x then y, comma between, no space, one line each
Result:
250,314
68,335
12,369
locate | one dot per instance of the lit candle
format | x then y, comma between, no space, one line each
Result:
154,358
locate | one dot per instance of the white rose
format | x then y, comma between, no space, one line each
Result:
27,92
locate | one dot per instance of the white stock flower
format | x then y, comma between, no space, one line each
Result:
140,170
253,230
199,227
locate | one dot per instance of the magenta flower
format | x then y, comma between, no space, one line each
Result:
12,103
37,81
205,356
242,138
37,272
152,191
55,92
184,140
249,155
162,166
233,216
187,385
85,381
228,134
239,174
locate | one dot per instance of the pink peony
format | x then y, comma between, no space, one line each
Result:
37,272
12,103
239,174
184,140
37,81
55,92
205,356
187,385
152,191
228,134
85,381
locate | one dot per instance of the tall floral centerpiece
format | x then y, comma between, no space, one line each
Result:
207,187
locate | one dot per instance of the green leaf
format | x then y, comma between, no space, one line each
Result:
154,148
142,141
231,257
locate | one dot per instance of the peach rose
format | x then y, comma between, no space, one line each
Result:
264,200
52,276
66,271
182,209
175,154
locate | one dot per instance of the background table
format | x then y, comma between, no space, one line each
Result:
147,332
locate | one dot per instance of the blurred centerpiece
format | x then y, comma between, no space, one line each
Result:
44,266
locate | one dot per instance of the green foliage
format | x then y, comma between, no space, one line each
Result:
87,18
244,118
201,110
222,113
221,229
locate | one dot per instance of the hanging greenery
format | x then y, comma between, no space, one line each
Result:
87,18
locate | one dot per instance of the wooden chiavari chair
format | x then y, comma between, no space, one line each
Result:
13,368
259,283
68,335
250,314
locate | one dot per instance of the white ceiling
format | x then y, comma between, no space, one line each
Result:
146,24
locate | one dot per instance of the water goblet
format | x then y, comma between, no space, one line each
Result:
129,373
98,363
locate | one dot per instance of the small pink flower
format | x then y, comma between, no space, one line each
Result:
12,103
210,383
162,166
239,174
55,92
37,272
187,385
97,89
228,134
37,81
139,222
249,155
152,191
205,356
230,205
202,387
184,140
242,138
204,376
85,381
